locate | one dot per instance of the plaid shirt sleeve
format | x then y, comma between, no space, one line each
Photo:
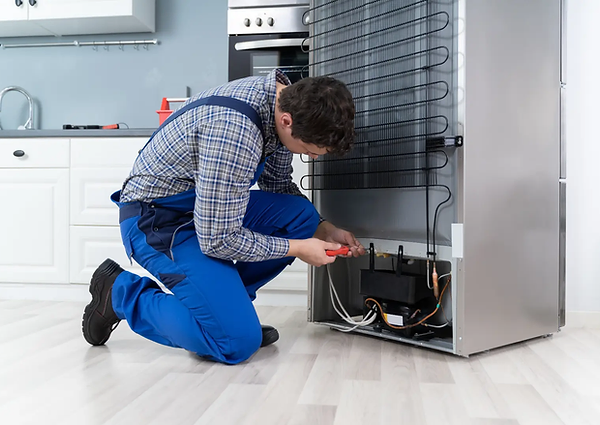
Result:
226,165
277,175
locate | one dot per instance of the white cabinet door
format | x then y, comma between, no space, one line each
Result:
99,166
13,20
13,10
34,244
90,195
90,246
70,17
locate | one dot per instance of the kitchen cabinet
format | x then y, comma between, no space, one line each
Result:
98,168
91,245
14,20
13,11
74,17
90,192
61,224
34,187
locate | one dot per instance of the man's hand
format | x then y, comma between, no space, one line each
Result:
312,251
329,233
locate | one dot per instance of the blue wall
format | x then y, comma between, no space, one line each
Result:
78,85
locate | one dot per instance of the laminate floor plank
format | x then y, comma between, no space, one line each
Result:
312,375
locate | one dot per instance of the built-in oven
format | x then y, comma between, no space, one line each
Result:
264,35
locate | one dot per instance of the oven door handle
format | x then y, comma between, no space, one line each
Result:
268,44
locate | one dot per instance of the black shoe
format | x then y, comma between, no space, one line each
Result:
270,335
99,318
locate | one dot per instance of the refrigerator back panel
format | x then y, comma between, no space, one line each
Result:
397,60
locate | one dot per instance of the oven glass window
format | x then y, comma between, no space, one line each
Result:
292,61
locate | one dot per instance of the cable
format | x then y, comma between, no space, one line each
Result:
435,216
436,326
428,274
444,275
368,319
414,324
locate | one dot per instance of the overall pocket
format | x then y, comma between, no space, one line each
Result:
160,225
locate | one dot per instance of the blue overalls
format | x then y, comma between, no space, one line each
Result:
210,311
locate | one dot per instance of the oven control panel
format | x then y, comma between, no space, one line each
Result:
267,20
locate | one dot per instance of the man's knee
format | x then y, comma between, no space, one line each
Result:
243,345
241,348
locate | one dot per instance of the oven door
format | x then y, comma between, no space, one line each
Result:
257,55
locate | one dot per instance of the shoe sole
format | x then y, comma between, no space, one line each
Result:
106,268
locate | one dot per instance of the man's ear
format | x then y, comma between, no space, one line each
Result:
286,120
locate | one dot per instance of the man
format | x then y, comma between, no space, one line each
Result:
188,216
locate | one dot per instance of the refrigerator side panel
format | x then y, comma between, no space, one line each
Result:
511,195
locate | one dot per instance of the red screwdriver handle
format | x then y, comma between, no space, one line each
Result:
342,251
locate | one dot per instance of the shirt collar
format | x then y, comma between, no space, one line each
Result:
272,141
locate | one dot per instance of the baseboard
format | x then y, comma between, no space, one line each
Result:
76,292
583,319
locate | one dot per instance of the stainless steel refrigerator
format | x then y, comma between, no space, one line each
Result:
458,164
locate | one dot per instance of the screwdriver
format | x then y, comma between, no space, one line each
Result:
333,252
344,250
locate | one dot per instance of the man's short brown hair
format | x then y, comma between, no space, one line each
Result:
322,112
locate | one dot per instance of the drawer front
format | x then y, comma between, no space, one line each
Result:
90,195
34,153
105,152
90,246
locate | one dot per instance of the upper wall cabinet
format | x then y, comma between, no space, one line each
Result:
75,17
14,20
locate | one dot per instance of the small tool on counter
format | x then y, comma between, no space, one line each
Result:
92,127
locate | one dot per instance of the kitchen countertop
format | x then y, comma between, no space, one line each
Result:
127,132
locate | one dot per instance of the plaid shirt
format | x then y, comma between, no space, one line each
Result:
216,151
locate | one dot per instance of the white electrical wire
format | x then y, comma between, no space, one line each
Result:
437,326
444,275
367,320
429,285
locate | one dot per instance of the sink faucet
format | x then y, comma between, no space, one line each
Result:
29,124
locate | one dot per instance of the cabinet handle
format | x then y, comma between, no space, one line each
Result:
19,153
32,2
19,3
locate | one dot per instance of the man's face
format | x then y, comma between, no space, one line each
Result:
294,145
298,146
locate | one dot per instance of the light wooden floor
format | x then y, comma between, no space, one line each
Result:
313,375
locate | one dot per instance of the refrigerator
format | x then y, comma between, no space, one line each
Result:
457,180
